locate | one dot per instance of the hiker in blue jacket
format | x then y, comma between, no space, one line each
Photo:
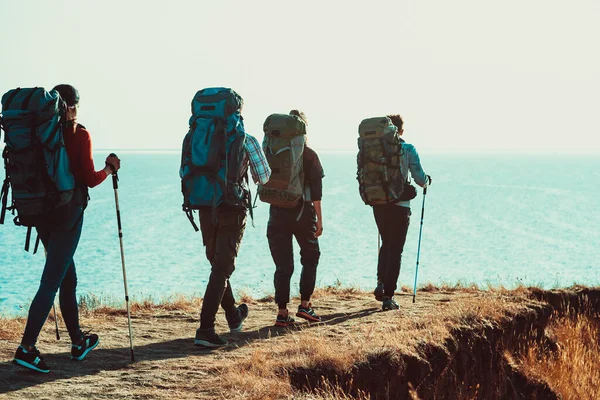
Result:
392,222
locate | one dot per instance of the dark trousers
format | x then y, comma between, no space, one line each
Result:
283,224
222,239
59,272
392,223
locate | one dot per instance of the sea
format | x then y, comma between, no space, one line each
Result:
489,219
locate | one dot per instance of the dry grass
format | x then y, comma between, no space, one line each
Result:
268,368
11,328
572,369
261,361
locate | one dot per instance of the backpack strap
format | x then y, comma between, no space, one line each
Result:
10,99
27,99
5,187
37,244
28,238
190,214
250,205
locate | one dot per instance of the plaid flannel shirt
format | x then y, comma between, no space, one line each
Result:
259,167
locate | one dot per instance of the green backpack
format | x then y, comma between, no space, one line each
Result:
379,175
285,137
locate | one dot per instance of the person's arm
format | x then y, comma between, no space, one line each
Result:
414,165
315,175
90,176
317,205
259,167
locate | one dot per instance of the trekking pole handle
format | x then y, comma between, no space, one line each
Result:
115,177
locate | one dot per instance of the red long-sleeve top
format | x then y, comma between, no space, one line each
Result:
78,143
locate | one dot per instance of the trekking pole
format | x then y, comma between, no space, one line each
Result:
115,179
419,246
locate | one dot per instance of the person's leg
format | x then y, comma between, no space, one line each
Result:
309,252
60,246
309,257
68,304
222,244
279,235
381,219
228,301
399,218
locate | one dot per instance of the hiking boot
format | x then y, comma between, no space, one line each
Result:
30,359
209,338
87,344
284,321
378,292
389,304
308,313
236,324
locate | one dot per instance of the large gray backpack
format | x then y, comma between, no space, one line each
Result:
285,137
379,173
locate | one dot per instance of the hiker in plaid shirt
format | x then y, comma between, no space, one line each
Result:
222,239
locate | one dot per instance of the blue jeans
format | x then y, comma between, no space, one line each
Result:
59,272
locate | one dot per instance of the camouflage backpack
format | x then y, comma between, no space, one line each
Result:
379,173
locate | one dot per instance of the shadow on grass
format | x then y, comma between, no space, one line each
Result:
13,378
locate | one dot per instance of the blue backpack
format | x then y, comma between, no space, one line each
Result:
35,157
212,153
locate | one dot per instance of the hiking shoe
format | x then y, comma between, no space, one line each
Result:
389,304
87,344
284,321
378,292
209,338
30,359
308,313
236,324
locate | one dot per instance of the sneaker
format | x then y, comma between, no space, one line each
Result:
237,323
209,338
284,321
87,344
30,359
308,313
378,292
389,304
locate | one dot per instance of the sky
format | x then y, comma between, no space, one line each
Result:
466,75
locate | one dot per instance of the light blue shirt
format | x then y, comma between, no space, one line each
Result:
411,162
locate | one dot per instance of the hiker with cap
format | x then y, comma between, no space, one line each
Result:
60,241
381,139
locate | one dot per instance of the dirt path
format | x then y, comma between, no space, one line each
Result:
167,363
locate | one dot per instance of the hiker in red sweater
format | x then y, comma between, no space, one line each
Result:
61,242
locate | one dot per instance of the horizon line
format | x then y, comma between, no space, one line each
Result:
421,150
